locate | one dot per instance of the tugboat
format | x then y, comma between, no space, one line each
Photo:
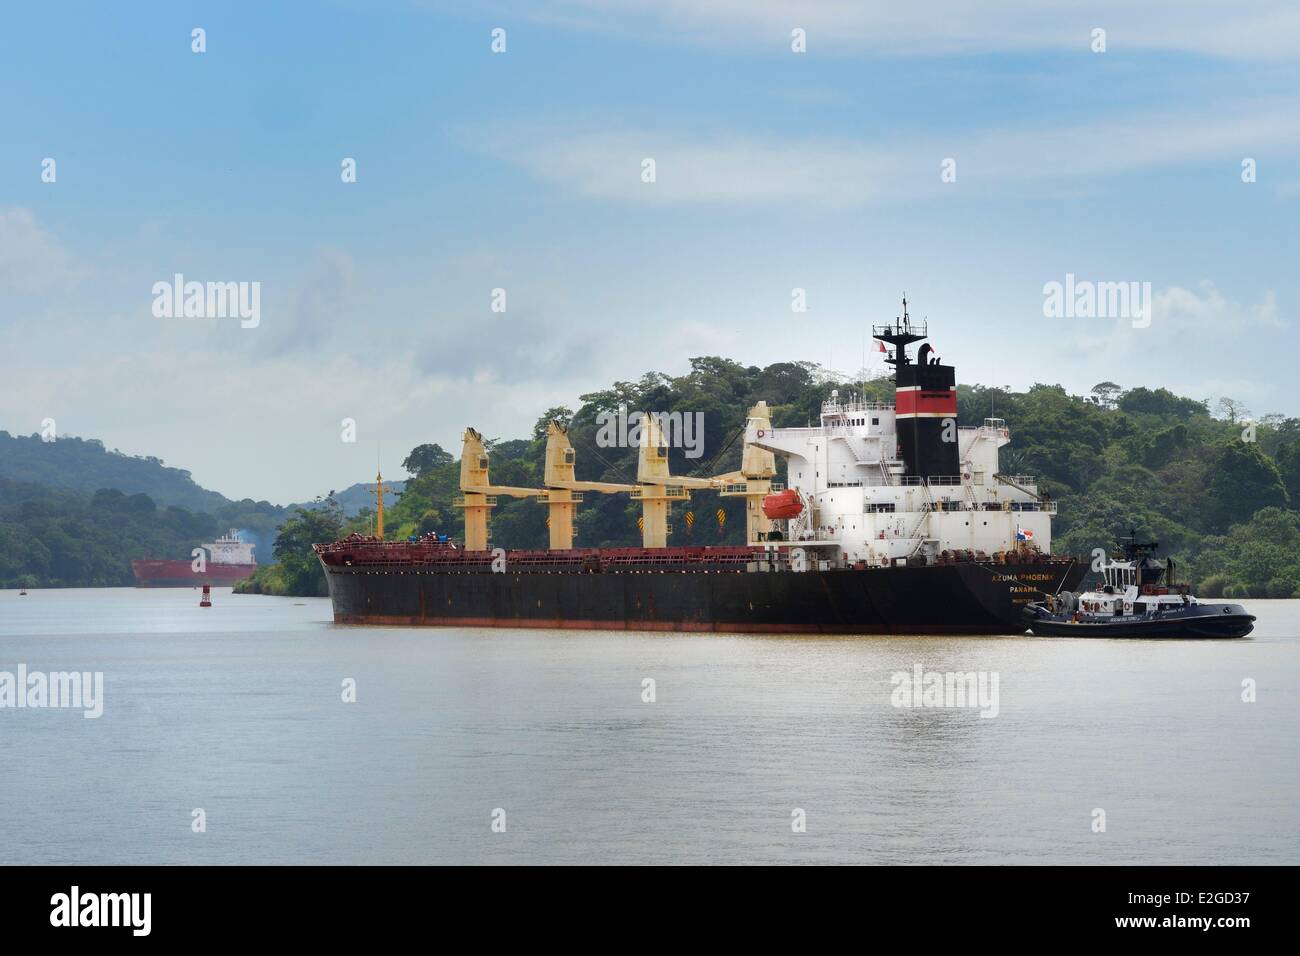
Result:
1136,598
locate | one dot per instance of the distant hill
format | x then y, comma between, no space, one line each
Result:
84,464
361,495
73,513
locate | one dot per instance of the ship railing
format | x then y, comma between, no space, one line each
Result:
671,491
850,408
545,497
943,480
811,432
740,487
1047,507
791,432
458,501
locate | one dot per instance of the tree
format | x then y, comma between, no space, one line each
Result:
1288,464
299,567
1232,410
1159,401
1244,481
1105,394
560,413
425,458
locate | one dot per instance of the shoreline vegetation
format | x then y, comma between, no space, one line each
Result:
1216,487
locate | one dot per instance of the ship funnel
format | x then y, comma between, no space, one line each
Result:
925,401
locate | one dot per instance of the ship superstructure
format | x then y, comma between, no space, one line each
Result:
887,483
224,561
229,548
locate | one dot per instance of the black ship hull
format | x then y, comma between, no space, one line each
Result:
968,597
1200,621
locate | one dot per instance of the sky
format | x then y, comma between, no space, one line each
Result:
966,154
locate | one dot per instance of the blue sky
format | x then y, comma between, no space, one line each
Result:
521,170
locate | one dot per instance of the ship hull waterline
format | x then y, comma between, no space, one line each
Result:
965,598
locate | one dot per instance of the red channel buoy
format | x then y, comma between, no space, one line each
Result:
206,600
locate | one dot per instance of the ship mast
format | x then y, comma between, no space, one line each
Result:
900,335
379,505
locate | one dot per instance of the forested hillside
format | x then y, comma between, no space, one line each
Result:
1216,486
61,537
85,464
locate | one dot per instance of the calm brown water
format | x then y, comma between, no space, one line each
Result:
237,710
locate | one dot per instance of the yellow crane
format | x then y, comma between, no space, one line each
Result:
659,489
754,480
563,490
656,487
478,495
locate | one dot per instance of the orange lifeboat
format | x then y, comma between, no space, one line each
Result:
785,504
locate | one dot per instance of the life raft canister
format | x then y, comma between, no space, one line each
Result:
784,504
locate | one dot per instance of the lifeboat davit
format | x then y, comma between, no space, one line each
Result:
784,504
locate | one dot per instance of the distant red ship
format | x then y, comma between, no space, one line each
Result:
228,559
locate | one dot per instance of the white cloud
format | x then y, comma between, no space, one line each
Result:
1178,308
1267,29
722,168
31,259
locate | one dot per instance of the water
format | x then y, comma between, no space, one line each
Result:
237,710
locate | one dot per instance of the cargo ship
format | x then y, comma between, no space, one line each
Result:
223,562
892,519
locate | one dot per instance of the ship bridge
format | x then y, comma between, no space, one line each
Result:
897,481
